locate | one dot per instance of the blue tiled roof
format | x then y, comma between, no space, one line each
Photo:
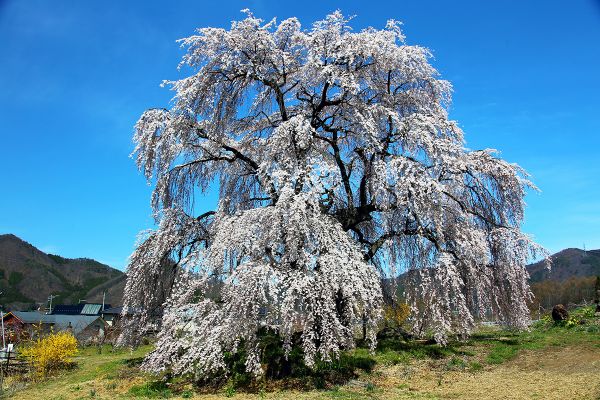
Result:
78,309
67,309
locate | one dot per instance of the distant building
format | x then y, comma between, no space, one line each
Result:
93,309
79,309
19,325
83,327
68,309
112,315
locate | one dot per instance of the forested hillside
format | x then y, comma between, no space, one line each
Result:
28,276
570,279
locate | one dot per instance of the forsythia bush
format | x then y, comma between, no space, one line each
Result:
51,353
397,314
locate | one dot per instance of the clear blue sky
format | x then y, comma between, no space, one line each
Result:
75,76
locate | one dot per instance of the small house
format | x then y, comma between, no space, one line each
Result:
19,325
84,327
112,315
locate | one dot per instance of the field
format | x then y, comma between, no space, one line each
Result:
548,362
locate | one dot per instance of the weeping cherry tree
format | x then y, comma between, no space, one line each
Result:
336,165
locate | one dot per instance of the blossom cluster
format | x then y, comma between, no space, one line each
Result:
336,166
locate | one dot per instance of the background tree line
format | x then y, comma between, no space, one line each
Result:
572,290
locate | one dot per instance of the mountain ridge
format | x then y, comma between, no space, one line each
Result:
28,276
565,264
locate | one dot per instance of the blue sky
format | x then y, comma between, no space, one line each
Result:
75,76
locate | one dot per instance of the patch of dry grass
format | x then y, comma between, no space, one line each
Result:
550,373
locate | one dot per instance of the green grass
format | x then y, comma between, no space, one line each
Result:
475,366
391,357
94,372
112,374
151,390
456,363
505,346
502,352
497,346
108,364
419,350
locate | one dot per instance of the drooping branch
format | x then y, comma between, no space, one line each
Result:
336,165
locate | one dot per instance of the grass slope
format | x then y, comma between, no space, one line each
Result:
548,362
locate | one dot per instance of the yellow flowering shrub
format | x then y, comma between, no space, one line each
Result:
51,353
396,315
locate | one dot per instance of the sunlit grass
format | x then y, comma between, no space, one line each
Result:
396,370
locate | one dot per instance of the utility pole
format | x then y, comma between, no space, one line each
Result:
2,316
52,296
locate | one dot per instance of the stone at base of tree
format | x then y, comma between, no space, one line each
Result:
559,313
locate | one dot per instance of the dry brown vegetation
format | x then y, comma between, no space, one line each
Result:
574,290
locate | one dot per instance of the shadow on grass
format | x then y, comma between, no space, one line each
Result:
421,349
133,362
152,390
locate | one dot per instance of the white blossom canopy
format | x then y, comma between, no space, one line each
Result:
336,164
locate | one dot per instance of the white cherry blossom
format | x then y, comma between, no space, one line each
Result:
336,165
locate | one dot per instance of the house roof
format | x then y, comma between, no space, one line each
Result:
60,322
78,309
77,322
68,309
113,310
91,309
32,317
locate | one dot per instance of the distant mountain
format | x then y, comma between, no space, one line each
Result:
28,276
567,264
